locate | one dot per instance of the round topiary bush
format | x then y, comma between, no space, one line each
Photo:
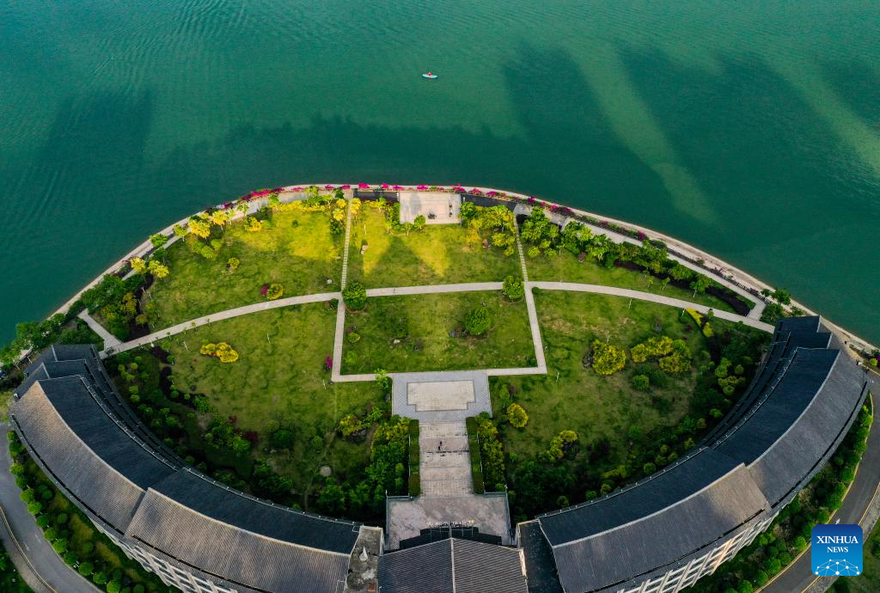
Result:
275,291
478,321
641,382
513,288
355,296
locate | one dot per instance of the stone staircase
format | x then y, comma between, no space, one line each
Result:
444,466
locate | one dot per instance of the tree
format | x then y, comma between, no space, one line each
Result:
700,284
158,270
274,292
200,228
355,296
513,288
607,359
517,416
478,321
86,568
420,222
781,296
158,240
138,265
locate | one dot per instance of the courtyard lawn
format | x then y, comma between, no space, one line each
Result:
438,254
566,268
280,382
298,251
423,324
571,397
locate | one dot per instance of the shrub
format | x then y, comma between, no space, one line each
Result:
350,425
221,350
641,382
355,296
281,439
651,348
354,338
679,361
415,484
275,291
607,359
513,288
86,568
517,416
100,578
561,442
233,264
478,321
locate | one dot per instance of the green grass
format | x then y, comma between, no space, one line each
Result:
438,254
566,268
5,400
280,381
426,344
572,397
300,257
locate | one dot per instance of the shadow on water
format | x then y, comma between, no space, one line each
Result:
858,83
92,164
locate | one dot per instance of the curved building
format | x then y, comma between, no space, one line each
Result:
658,535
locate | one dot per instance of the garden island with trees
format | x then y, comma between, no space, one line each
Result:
260,342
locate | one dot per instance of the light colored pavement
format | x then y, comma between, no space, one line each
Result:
444,459
344,279
220,316
433,289
36,561
110,341
401,389
647,296
536,330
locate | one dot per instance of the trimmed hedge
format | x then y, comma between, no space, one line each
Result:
415,483
476,459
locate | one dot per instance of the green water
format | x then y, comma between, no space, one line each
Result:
749,128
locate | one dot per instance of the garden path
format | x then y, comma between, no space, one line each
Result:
110,341
646,296
219,316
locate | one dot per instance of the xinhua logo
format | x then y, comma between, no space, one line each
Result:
836,550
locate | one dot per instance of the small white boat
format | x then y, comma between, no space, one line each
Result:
429,75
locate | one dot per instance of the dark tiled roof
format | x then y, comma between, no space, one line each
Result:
232,554
696,520
540,565
85,450
453,566
222,504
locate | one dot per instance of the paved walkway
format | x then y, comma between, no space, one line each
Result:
220,316
433,289
444,459
647,296
42,569
110,341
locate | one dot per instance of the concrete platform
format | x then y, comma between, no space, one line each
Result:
441,396
436,207
406,518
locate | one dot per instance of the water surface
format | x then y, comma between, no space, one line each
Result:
750,129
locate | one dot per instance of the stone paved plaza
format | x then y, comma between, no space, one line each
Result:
446,396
